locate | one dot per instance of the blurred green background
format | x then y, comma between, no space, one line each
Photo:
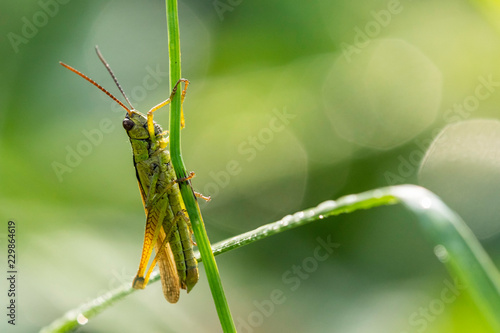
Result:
290,104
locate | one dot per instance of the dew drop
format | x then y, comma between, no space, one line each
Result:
441,253
81,319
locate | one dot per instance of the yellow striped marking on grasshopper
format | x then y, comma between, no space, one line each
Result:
168,229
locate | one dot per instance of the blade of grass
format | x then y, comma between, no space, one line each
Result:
193,210
464,256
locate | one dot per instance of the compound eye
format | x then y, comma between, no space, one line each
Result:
128,124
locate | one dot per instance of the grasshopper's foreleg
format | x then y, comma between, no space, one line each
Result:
151,128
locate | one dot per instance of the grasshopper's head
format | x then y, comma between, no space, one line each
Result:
136,125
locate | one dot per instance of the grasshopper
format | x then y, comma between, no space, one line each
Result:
168,228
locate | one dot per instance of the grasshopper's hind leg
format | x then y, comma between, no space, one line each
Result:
169,275
153,227
191,264
166,261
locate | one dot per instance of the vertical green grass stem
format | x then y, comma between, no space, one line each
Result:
192,207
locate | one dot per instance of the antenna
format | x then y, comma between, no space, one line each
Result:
99,54
97,85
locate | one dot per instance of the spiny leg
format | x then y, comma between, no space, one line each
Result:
170,245
169,275
156,214
197,194
161,241
178,252
184,179
165,258
201,196
185,232
157,208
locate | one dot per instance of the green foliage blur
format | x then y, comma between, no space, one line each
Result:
290,104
